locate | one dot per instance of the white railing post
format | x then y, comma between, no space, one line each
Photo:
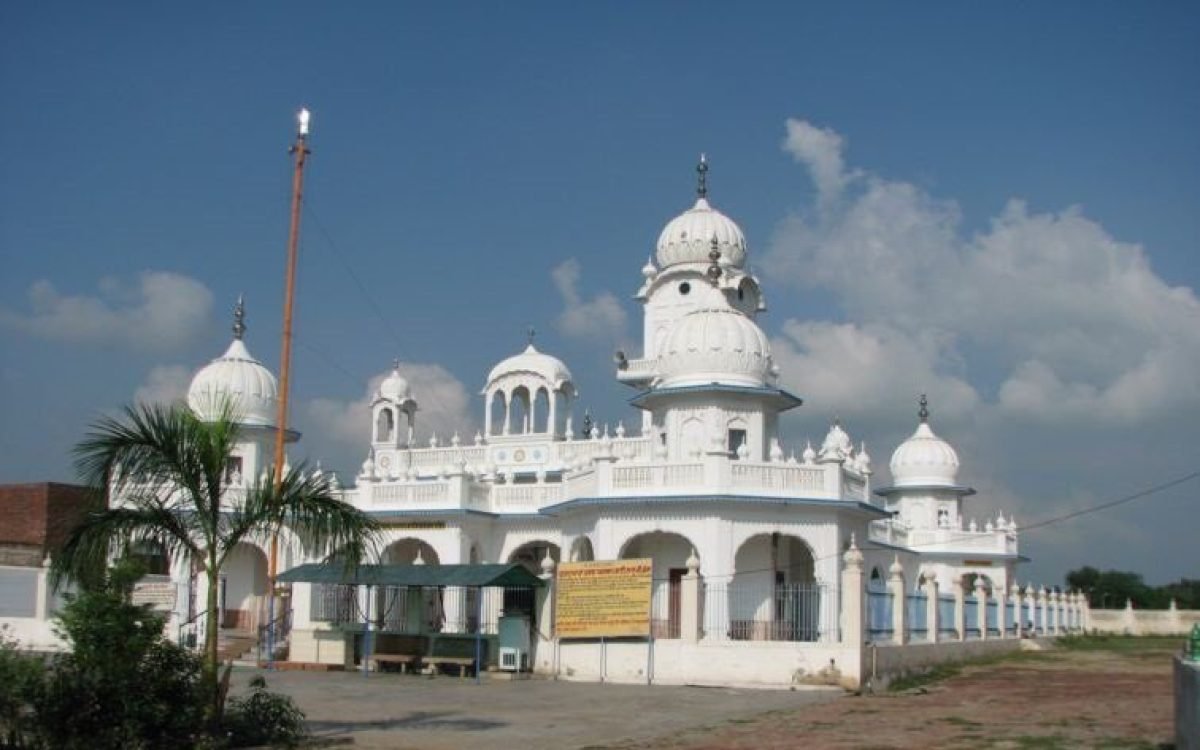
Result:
960,610
1001,611
932,610
853,595
899,602
981,608
1018,616
689,601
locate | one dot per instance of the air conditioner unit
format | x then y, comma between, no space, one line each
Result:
511,659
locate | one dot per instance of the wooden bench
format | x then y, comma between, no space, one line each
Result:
455,652
392,649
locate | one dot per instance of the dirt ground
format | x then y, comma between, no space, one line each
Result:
1087,693
1111,694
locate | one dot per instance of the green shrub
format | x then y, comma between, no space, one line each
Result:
21,677
122,684
264,718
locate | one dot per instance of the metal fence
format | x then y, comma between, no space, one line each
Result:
745,611
917,615
947,627
971,618
879,615
422,609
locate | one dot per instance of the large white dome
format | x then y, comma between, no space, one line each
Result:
716,345
237,376
924,460
532,362
688,238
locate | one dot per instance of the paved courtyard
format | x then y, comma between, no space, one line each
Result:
414,712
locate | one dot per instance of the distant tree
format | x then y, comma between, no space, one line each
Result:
1112,588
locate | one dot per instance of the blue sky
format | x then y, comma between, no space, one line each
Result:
464,152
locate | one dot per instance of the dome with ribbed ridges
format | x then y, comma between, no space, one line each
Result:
238,377
688,238
924,460
716,345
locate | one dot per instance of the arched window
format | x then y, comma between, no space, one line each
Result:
385,425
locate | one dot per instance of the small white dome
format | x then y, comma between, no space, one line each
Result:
243,380
394,387
716,345
924,460
688,238
531,361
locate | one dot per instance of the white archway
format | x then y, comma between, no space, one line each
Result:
669,552
242,596
774,594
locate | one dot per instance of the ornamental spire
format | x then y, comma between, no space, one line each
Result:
530,333
923,412
702,177
714,258
239,318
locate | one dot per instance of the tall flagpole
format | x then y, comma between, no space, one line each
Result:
299,150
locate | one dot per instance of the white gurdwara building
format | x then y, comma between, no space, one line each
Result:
768,567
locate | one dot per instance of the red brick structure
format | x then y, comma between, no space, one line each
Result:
35,519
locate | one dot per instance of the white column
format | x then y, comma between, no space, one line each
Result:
1044,605
981,608
507,412
960,609
932,626
1001,611
899,602
1018,613
853,595
689,601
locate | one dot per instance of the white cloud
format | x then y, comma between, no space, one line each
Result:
601,317
339,430
1060,365
161,310
851,370
1076,322
165,384
820,149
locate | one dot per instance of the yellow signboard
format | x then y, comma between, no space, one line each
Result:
606,599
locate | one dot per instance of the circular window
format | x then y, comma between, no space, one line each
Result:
685,287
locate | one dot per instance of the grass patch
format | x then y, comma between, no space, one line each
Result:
915,680
959,721
946,670
1121,644
1051,742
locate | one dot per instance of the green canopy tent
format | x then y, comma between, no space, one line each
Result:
423,576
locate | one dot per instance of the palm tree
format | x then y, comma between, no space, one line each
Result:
160,474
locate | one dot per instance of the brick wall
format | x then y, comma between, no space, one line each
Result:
36,518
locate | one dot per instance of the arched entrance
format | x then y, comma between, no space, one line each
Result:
399,609
581,550
669,552
242,597
774,595
531,554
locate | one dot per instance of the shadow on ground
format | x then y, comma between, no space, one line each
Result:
445,720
